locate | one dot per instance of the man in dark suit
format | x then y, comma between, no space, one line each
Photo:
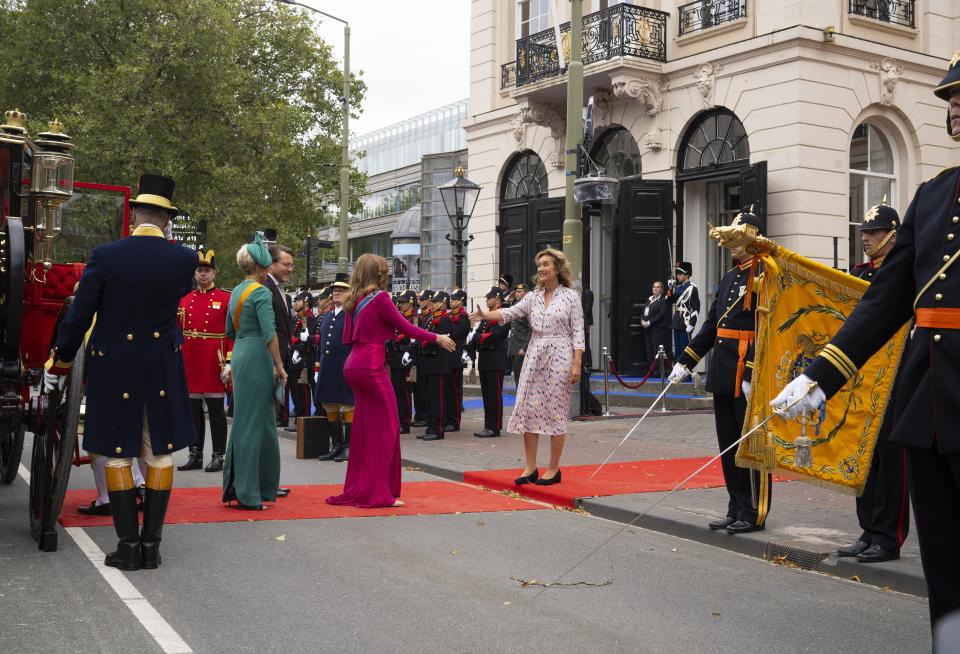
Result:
656,323
332,392
489,342
919,281
279,275
137,403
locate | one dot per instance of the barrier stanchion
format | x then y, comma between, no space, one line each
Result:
605,354
662,356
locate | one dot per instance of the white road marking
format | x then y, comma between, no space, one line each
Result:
165,635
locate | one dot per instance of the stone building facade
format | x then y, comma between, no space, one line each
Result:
810,110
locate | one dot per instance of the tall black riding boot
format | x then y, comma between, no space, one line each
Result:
345,453
159,481
123,506
336,440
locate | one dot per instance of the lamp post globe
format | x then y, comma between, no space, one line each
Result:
459,197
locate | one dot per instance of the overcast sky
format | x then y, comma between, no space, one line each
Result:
415,55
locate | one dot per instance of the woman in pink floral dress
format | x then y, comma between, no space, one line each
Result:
551,365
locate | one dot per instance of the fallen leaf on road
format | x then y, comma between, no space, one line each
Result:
454,552
716,615
281,538
856,578
887,589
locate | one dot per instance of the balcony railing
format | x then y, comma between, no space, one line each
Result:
701,15
508,75
895,12
622,30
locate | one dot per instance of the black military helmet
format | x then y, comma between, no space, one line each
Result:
325,293
426,294
506,279
459,294
306,297
407,296
684,267
950,82
881,216
442,296
492,293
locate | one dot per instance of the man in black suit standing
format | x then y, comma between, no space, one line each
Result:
489,342
279,275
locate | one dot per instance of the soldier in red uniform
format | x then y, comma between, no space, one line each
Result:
206,357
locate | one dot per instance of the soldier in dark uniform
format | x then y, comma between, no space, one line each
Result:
685,298
400,360
505,284
332,392
421,404
137,403
433,370
458,358
489,342
728,333
519,337
883,509
303,355
919,280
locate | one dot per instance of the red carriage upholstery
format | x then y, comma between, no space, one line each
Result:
42,303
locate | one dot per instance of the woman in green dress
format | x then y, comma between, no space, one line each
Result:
251,469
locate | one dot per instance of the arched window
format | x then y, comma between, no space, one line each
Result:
525,179
617,153
717,139
873,177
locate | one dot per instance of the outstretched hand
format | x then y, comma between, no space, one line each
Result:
446,343
479,313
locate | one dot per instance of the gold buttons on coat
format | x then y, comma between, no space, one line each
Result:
169,446
936,338
956,219
126,396
118,450
129,337
950,237
938,297
156,334
943,276
946,257
163,393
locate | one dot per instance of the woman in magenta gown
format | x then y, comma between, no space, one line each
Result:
373,469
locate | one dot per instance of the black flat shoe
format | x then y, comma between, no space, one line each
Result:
549,482
432,437
743,527
853,550
283,492
723,523
486,433
94,509
877,554
419,423
528,479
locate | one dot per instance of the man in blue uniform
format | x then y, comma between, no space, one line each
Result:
919,280
728,332
136,389
883,508
332,392
686,300
489,342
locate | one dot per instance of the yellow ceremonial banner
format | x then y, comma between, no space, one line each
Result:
802,304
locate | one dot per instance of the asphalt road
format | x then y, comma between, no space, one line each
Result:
433,583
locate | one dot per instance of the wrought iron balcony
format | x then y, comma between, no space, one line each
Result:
620,31
508,75
895,12
704,14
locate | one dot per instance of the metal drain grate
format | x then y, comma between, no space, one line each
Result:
802,554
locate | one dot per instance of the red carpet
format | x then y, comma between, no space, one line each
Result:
196,505
614,479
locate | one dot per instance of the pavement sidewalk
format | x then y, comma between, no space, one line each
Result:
805,526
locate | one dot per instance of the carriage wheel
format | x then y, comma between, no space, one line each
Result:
11,448
12,261
53,447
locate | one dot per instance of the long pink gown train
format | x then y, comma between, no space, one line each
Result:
373,468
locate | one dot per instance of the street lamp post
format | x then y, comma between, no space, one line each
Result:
459,198
343,259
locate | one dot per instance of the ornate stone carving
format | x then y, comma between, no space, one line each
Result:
550,117
890,72
519,130
639,88
601,108
706,78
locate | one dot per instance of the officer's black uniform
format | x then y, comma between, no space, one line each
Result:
884,508
489,342
919,280
418,388
396,349
728,333
433,370
460,321
301,373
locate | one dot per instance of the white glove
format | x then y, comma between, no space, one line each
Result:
52,381
316,378
406,360
304,335
747,388
679,373
296,358
413,341
689,329
809,400
465,359
225,374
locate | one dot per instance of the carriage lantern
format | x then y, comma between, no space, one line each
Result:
51,185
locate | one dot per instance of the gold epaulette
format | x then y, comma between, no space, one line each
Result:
693,355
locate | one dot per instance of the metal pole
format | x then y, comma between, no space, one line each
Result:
662,356
459,246
605,355
343,260
572,227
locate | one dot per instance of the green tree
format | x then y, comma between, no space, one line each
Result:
237,100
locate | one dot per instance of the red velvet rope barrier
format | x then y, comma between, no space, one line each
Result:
643,381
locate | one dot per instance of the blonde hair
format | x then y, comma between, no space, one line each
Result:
560,262
370,273
246,262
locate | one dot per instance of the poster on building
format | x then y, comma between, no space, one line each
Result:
406,267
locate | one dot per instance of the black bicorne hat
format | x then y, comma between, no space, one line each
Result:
459,294
684,267
881,216
342,280
155,191
207,258
493,292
